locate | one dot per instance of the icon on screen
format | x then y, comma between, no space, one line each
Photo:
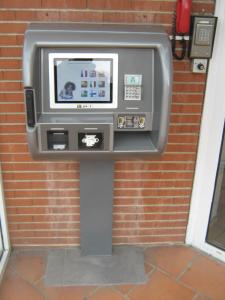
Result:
84,93
92,84
92,73
101,84
101,74
84,84
93,93
84,73
101,93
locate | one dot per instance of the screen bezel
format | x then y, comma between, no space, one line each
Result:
83,105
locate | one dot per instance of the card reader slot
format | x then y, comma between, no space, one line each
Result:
29,96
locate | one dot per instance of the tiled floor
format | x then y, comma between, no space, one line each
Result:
174,273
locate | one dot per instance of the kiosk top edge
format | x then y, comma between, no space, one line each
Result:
96,27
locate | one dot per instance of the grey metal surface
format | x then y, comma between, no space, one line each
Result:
94,35
91,124
67,267
201,43
138,61
96,200
141,49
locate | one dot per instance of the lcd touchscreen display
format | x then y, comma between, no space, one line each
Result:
79,80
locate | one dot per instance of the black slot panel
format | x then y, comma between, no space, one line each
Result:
90,141
57,140
29,95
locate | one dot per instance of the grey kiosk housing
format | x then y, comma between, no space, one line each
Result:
124,126
101,92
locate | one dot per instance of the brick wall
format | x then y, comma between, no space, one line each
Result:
151,198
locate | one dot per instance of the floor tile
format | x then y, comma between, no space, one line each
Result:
200,297
201,278
31,268
106,294
171,259
148,268
124,288
15,288
161,287
206,276
67,293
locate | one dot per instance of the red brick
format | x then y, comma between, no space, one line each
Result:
150,209
8,40
147,232
66,4
12,97
11,52
131,5
11,108
12,27
42,210
202,7
181,148
10,63
152,175
10,75
12,202
12,119
17,138
186,109
42,226
12,129
41,185
182,65
43,218
12,148
185,118
189,77
173,138
151,166
81,16
152,192
10,86
42,193
39,166
41,175
190,87
149,239
20,4
149,224
151,184
45,241
137,17
184,129
188,98
44,234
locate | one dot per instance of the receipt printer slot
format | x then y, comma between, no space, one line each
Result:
57,140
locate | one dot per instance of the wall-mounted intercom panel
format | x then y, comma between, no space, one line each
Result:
202,36
96,89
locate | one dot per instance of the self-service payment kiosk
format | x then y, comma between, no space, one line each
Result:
96,93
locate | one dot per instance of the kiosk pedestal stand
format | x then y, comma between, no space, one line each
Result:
96,202
96,93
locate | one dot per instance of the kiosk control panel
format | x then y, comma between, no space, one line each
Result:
132,86
93,89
